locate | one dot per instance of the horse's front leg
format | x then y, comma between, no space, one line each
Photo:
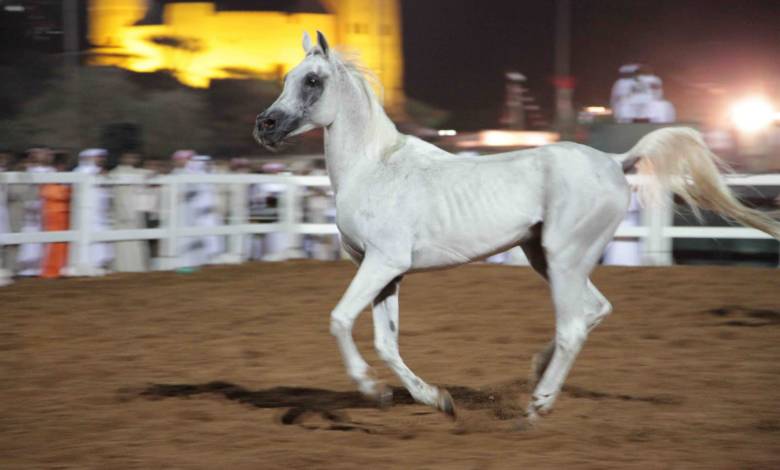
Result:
386,329
372,276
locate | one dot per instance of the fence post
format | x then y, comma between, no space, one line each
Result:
169,198
82,205
291,216
657,248
239,215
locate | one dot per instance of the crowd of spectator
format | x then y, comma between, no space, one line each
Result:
31,208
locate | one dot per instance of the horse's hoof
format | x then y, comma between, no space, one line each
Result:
524,425
446,404
528,422
384,396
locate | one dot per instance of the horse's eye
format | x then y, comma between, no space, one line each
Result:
313,81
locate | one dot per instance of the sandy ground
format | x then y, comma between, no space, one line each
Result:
234,368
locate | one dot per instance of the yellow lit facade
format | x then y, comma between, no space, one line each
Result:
198,43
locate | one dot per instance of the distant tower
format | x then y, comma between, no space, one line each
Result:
514,109
373,28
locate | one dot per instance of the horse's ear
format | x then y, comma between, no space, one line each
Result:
323,43
306,42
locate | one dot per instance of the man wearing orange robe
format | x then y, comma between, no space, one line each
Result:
56,216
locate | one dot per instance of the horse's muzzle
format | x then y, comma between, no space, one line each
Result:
271,127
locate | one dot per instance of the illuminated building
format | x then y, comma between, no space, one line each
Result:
201,41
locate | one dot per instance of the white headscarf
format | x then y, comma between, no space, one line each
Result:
87,160
198,164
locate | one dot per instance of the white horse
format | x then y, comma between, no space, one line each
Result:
404,205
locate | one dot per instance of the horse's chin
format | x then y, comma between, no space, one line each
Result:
268,145
275,145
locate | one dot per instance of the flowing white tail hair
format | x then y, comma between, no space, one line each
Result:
676,159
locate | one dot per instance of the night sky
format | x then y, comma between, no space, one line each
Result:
706,51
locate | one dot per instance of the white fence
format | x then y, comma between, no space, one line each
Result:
656,232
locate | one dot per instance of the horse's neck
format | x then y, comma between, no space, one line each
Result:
358,136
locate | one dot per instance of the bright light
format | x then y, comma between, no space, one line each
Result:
752,114
447,132
504,138
598,110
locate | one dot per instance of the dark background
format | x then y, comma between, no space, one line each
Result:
706,51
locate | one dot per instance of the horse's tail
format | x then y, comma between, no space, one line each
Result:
676,159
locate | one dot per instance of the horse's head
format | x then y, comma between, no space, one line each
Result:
307,101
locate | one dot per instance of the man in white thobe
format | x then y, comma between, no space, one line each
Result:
131,255
197,208
206,206
100,254
276,245
29,258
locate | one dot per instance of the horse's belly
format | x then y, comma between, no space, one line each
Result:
464,243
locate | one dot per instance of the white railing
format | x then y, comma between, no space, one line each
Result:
656,233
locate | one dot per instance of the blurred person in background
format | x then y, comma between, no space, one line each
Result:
621,91
128,210
100,254
224,212
238,207
319,209
180,159
14,200
274,246
206,206
185,212
5,225
30,255
259,212
199,208
150,202
637,96
56,217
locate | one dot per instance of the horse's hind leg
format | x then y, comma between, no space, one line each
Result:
386,329
534,251
596,305
570,257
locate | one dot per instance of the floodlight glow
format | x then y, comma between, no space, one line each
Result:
752,114
598,110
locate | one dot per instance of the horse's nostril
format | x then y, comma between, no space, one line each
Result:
268,123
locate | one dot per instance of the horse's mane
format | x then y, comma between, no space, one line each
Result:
365,77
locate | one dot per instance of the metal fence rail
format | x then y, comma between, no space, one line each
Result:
657,231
